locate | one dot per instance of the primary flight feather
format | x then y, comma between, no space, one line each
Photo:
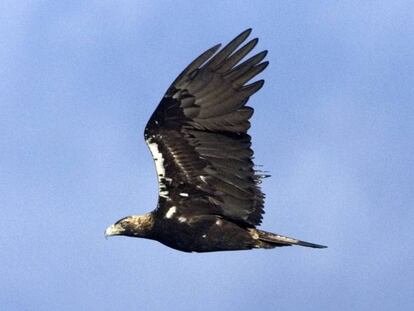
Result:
209,193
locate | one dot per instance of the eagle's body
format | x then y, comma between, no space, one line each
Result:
209,193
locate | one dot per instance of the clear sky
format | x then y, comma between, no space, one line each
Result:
334,124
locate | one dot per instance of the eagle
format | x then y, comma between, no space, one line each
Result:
209,188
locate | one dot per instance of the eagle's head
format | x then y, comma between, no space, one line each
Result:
134,226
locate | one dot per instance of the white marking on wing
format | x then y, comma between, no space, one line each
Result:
183,194
159,166
170,212
182,219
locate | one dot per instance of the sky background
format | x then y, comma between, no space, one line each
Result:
334,125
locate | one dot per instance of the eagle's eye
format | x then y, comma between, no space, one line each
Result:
121,220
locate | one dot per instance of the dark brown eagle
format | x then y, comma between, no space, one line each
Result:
209,193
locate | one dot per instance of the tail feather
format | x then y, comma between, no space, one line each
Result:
280,240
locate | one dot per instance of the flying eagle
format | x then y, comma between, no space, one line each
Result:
209,191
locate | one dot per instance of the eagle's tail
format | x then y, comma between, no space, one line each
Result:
272,240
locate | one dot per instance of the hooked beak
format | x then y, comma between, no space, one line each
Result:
110,231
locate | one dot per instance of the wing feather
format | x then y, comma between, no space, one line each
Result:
199,131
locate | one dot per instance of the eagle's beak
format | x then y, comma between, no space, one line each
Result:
111,230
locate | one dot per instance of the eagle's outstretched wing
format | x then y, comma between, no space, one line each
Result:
198,136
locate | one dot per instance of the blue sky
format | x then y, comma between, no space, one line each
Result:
334,125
